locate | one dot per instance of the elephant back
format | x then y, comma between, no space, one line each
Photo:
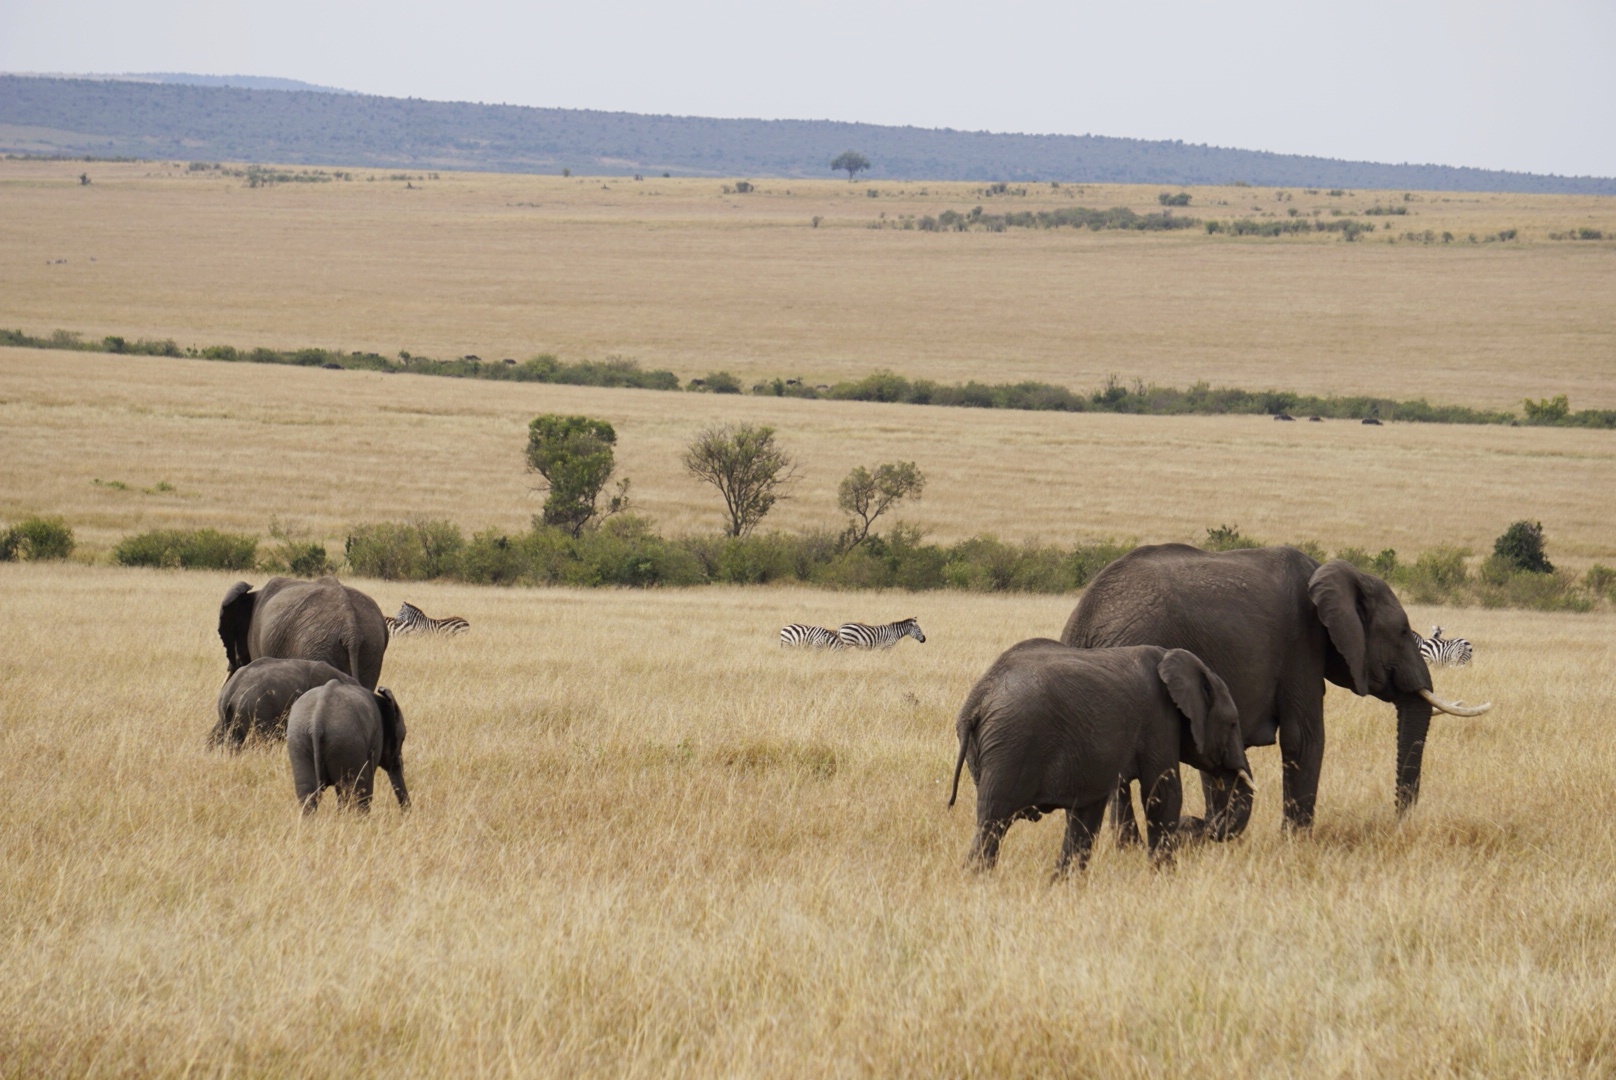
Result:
320,620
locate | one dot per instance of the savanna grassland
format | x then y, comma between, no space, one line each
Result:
645,841
677,274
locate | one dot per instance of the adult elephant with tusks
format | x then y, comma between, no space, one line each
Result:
1274,625
304,620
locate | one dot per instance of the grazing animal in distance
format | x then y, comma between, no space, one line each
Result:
801,635
338,735
412,620
1371,421
857,635
1449,652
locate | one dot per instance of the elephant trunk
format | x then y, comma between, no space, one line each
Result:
1413,721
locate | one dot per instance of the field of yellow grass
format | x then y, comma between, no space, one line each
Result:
677,274
646,842
319,451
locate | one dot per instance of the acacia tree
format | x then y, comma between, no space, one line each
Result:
574,455
749,469
851,161
865,496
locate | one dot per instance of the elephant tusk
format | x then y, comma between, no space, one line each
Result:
1245,774
1454,708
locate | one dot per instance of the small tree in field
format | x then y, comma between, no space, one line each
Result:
749,469
850,162
1521,548
865,496
574,455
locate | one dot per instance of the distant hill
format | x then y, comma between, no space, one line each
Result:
246,82
178,120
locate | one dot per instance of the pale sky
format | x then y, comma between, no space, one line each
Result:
1523,86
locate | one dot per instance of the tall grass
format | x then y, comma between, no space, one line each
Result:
645,840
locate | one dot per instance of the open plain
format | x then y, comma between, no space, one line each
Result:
646,841
678,274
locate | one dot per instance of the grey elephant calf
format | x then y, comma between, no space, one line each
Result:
337,735
1054,727
255,700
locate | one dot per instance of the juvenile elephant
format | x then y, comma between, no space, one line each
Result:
304,620
1274,625
1050,726
337,735
255,700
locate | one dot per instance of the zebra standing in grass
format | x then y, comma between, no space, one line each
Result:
801,635
412,620
856,635
1449,652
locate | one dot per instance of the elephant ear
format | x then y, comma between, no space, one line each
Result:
1186,679
1337,596
235,616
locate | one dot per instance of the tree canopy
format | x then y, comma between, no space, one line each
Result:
851,162
574,455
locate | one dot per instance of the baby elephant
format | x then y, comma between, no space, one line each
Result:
337,735
256,698
1051,726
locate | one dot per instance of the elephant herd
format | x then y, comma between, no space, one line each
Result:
305,658
1173,655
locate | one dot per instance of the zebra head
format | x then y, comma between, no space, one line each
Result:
912,628
1436,633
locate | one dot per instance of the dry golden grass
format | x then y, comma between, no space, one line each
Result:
678,275
322,450
647,842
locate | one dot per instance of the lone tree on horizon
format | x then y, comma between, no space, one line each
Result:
852,161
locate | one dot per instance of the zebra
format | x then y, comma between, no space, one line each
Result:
812,637
412,620
856,635
1449,652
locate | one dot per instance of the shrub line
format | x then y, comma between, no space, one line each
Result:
625,550
1140,398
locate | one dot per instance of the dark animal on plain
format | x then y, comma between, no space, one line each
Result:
1050,727
338,735
304,620
1370,420
1274,625
255,700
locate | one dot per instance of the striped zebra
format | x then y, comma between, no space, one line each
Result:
412,620
856,635
801,635
1449,652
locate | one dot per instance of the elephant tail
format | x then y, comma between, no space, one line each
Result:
965,726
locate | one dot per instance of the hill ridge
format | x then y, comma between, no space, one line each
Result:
102,117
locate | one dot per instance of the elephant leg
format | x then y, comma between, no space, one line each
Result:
1082,822
311,801
1163,803
1122,815
985,845
364,786
1301,750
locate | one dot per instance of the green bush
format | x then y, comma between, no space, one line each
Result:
1435,575
305,559
1521,547
189,549
1503,587
404,551
36,538
1601,581
1227,538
